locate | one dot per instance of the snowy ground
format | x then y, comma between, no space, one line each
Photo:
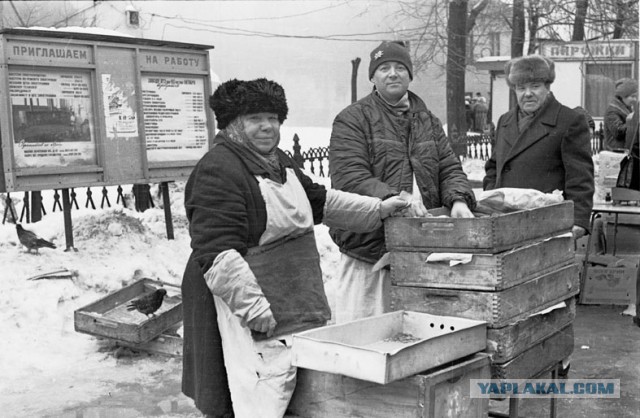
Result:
46,365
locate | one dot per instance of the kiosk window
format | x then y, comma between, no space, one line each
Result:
52,115
600,85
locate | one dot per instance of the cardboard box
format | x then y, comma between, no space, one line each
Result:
109,317
443,392
388,347
480,235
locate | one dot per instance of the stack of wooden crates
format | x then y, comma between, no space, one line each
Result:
522,263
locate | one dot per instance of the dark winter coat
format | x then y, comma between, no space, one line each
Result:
554,152
615,124
225,210
374,152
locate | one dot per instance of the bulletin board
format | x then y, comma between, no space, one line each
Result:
97,110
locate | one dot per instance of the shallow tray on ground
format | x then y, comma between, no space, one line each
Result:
109,317
388,347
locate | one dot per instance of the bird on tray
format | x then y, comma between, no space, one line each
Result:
31,240
148,303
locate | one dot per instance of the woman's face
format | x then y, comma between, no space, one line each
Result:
263,130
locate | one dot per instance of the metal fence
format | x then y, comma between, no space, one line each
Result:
475,146
315,160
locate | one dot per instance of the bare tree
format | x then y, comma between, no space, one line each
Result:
457,39
44,14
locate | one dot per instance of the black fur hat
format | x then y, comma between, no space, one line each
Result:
234,98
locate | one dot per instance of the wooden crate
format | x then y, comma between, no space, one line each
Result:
109,317
614,285
504,344
443,392
482,235
388,347
538,358
485,271
498,308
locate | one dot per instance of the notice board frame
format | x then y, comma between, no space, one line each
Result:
119,159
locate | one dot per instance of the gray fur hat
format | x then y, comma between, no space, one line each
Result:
625,87
529,69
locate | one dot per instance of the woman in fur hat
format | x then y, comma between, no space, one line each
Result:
618,113
254,276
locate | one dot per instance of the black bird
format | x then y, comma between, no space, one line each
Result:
148,303
31,240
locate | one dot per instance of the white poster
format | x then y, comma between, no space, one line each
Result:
52,118
175,122
119,97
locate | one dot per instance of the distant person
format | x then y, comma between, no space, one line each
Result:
541,144
468,112
618,113
480,111
388,143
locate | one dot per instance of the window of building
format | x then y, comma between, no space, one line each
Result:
494,43
600,85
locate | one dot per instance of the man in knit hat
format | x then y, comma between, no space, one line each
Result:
618,113
388,143
541,144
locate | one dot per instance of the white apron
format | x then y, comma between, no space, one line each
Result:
261,378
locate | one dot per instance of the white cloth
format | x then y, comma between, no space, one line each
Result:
260,375
288,208
360,291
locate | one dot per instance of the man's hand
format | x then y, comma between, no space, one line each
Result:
265,323
461,210
415,207
578,232
391,205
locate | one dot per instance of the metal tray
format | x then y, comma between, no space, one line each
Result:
388,347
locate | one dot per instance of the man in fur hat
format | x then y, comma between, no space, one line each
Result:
541,144
385,144
618,113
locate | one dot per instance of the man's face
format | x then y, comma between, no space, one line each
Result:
392,80
262,130
531,95
630,100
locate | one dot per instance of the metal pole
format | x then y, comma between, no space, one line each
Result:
68,227
164,186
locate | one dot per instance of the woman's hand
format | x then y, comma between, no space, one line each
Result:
265,323
392,204
578,232
461,210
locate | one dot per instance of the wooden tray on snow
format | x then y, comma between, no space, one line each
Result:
109,317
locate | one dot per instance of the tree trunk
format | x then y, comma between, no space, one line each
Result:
456,53
618,24
578,23
517,39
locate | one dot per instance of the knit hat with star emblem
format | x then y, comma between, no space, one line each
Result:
390,51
